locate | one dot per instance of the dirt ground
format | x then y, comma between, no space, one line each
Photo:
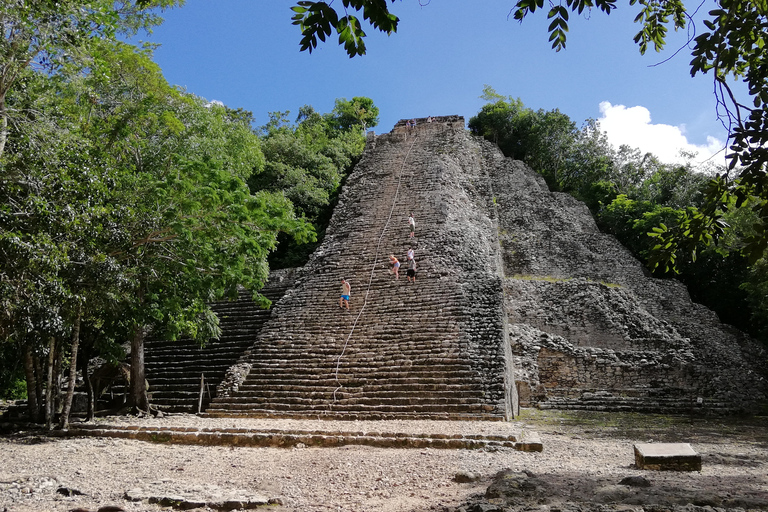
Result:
585,457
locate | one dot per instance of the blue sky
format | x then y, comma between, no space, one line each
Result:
245,53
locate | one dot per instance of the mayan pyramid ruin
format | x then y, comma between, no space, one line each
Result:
519,301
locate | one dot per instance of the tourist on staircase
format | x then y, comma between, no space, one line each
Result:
395,266
412,224
346,291
411,270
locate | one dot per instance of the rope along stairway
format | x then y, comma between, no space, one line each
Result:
429,349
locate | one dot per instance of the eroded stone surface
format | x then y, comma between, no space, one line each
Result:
181,495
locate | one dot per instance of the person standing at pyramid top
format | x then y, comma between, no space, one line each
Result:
412,224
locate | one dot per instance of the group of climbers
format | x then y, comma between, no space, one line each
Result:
346,288
411,262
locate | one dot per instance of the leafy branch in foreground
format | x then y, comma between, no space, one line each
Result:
317,20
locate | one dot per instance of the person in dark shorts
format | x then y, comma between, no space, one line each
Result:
411,270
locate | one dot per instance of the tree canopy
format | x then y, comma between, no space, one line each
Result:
125,209
128,206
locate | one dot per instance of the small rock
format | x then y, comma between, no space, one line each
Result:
635,481
611,494
464,477
66,491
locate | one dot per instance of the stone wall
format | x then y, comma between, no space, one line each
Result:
591,329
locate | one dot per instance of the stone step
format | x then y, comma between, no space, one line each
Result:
386,386
373,392
637,404
403,407
185,360
361,376
355,415
314,438
343,396
169,370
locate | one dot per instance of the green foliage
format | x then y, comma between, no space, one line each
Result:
360,111
539,138
317,20
124,203
631,220
54,35
756,287
307,162
12,384
632,195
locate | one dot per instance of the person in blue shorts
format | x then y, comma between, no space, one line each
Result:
346,291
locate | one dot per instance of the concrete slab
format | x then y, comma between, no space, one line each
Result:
667,457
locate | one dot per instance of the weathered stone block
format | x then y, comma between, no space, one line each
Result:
667,457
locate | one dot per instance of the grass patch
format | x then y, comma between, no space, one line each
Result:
643,427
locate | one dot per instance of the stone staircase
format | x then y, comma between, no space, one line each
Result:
433,349
183,376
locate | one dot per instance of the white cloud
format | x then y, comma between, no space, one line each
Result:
214,102
632,126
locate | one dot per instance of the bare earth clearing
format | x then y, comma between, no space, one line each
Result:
585,457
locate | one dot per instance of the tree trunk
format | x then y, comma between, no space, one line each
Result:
57,379
67,407
29,371
138,398
85,358
39,387
49,382
3,124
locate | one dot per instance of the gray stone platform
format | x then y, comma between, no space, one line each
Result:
667,457
282,433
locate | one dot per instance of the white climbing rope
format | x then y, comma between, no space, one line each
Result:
373,267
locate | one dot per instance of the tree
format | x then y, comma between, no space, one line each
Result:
124,198
542,139
48,35
307,162
187,231
360,111
731,47
318,19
